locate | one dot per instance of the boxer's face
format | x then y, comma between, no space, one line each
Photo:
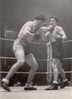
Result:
38,23
52,22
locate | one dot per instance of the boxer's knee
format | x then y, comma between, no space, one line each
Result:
34,66
31,60
17,65
54,65
21,62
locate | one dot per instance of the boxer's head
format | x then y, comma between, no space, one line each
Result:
53,20
39,20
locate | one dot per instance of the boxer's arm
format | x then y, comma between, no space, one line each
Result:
25,31
62,34
45,32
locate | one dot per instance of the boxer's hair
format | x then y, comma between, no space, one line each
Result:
54,17
40,17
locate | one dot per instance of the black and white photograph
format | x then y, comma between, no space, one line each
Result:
35,49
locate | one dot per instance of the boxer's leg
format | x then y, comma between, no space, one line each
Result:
30,59
62,74
20,56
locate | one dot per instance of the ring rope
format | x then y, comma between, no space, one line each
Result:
12,40
1,38
2,57
3,72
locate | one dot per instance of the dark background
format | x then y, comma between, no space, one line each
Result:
14,13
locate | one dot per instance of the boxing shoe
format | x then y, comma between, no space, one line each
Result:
5,86
29,87
54,86
64,84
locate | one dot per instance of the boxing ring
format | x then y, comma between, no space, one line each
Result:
18,92
7,60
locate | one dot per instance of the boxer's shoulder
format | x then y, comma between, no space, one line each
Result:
59,28
28,23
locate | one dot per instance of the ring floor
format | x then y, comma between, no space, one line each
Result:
41,93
